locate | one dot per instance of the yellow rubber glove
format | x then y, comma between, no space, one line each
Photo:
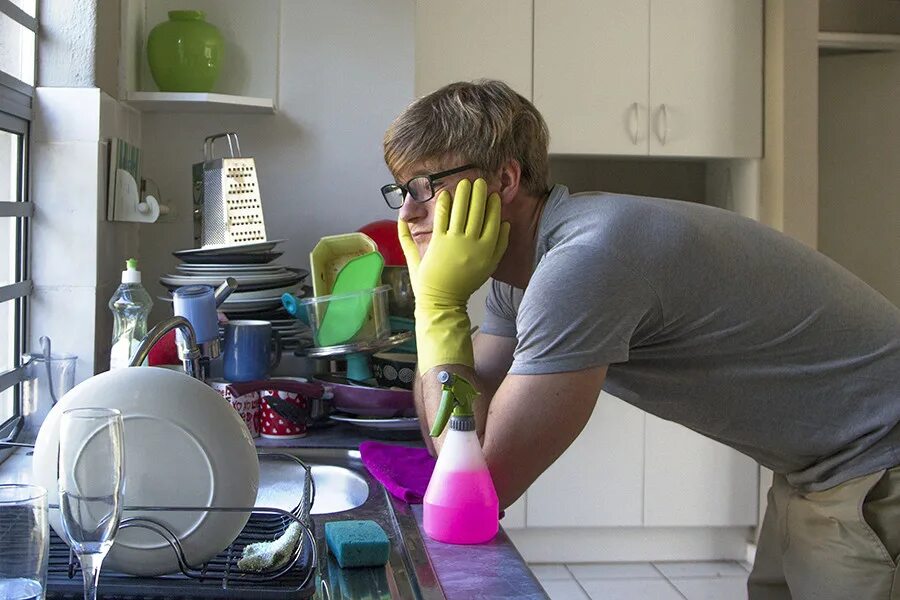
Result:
467,242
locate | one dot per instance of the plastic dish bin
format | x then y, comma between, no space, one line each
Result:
331,254
374,302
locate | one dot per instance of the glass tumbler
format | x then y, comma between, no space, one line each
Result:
24,541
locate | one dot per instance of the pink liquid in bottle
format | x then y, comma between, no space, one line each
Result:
461,507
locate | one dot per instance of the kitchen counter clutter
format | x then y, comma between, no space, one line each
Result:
418,567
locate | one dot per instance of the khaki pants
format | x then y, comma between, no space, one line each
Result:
838,544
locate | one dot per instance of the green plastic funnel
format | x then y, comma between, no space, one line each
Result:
348,310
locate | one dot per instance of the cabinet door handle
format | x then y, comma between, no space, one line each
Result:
664,118
635,123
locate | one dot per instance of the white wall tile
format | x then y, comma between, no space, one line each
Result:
701,569
66,314
64,191
550,572
66,115
614,571
726,588
633,589
564,590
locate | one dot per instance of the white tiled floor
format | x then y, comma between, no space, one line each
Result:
721,580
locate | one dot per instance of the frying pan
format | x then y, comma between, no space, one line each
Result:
368,401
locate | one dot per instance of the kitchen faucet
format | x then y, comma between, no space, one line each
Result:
195,356
188,350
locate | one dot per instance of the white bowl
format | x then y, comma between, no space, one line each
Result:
184,446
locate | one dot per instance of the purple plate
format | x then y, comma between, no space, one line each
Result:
368,401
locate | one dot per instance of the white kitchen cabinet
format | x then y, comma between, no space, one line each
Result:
657,77
598,481
590,74
706,78
693,481
471,39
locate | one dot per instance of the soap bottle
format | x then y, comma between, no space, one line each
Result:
130,306
460,504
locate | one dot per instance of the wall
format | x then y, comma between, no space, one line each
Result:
867,16
789,192
859,166
677,179
73,118
345,70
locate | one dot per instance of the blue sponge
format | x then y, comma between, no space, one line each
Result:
357,543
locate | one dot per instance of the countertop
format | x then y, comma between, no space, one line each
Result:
494,570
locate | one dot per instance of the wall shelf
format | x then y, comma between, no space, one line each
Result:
839,42
175,102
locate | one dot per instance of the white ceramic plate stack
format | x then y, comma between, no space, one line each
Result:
260,283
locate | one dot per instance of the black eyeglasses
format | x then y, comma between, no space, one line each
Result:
421,188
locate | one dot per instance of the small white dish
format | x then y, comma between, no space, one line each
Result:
184,446
230,249
398,424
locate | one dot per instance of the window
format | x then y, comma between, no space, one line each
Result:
18,27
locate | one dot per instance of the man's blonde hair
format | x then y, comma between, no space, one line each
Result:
482,122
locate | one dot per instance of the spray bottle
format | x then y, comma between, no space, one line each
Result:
460,504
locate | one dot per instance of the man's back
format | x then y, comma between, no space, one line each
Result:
716,322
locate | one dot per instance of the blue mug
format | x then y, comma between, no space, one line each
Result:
252,350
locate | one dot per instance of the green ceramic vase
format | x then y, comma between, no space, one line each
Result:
185,53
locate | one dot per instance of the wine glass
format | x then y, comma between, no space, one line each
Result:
91,478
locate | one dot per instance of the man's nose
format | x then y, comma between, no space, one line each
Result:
412,210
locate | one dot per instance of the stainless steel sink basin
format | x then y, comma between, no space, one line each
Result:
337,489
281,480
346,490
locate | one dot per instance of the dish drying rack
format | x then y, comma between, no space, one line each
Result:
220,577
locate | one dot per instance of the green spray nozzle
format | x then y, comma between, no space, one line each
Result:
131,264
457,396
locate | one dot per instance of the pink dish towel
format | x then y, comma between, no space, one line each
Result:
404,471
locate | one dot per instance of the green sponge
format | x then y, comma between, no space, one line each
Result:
357,543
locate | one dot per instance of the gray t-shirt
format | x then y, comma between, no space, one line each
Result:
716,322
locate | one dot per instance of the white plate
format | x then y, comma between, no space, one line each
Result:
175,280
398,424
230,249
275,293
186,268
184,446
250,305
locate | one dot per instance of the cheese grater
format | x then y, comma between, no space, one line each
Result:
227,204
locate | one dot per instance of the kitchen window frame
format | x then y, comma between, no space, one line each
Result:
16,114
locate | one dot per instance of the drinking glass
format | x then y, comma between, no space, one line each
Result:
24,541
91,478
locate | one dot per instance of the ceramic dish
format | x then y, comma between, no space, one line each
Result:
398,424
250,306
229,268
248,258
368,401
241,296
266,246
184,446
172,283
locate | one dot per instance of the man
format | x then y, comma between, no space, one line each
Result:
692,313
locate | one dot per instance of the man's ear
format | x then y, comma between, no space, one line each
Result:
510,177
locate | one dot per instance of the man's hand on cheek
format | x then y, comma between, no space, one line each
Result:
467,242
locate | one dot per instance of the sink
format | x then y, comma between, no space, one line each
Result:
337,489
346,490
281,479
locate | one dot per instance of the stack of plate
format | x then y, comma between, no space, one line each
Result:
293,333
260,283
